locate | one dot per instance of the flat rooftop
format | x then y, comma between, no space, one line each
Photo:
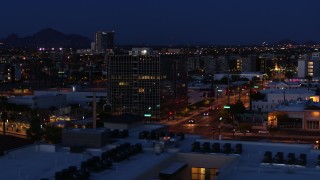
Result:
42,161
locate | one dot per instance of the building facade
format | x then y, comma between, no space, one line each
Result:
104,41
300,115
309,65
134,84
174,88
275,97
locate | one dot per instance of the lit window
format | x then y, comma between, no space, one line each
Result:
141,90
123,83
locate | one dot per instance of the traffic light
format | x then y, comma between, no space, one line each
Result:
171,116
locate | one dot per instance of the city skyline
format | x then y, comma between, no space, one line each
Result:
166,22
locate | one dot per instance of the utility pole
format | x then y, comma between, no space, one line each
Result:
228,87
94,118
250,94
219,127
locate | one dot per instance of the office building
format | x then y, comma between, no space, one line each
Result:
309,65
174,80
104,41
134,84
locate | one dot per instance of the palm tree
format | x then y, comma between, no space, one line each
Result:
309,78
4,117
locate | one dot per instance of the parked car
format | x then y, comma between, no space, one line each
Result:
263,132
192,121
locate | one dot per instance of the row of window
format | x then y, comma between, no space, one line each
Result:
313,125
258,106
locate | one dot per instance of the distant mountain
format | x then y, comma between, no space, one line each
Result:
286,42
48,38
310,43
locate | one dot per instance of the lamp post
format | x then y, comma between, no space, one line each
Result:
219,127
284,95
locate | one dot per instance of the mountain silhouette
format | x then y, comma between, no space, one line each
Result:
310,43
286,42
47,38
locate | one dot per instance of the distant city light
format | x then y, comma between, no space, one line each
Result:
144,52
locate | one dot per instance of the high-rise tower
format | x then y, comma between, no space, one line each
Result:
104,41
134,84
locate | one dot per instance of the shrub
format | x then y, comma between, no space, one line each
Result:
77,149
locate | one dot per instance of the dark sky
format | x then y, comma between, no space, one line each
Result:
168,21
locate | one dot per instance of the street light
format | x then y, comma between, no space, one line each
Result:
219,127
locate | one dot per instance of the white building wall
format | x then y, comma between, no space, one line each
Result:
302,68
277,97
42,102
80,97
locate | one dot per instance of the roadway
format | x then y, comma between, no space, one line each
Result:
208,126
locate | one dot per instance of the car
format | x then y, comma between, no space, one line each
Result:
263,132
206,113
192,121
242,131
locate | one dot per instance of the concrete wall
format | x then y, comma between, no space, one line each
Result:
153,172
204,161
110,125
47,148
83,138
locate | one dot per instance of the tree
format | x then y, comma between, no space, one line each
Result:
289,74
244,128
282,118
237,108
309,78
35,131
52,134
52,109
318,91
235,78
4,117
257,96
224,80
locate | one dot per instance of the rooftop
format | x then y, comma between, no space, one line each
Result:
48,159
288,91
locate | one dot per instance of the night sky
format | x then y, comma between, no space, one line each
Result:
168,22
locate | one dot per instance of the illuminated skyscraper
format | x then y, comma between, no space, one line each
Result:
104,41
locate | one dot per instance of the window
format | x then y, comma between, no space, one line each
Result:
123,84
312,124
141,90
203,173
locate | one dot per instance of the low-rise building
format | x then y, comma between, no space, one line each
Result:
40,101
283,85
274,97
304,115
